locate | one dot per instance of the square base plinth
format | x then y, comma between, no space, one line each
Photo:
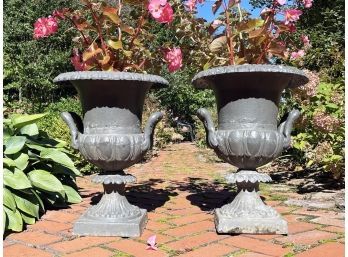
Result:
244,225
92,227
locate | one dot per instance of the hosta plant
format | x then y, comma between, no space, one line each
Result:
114,35
38,172
238,38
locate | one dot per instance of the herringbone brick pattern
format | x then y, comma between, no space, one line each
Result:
180,189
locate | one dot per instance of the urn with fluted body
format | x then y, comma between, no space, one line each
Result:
248,136
109,135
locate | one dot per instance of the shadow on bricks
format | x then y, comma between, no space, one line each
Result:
147,195
206,194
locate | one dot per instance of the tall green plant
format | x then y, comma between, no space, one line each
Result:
38,172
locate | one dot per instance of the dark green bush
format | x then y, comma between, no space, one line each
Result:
180,98
30,65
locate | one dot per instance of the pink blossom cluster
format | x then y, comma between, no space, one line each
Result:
174,59
44,27
325,122
161,11
191,4
310,89
322,150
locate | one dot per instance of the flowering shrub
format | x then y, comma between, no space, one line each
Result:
320,137
108,39
236,38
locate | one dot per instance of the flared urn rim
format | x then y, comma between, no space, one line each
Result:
202,80
157,81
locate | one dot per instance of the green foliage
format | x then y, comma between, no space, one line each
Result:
30,65
55,127
180,98
38,172
324,24
319,137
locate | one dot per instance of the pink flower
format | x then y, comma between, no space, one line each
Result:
174,59
44,27
155,7
281,2
161,11
292,15
167,14
307,3
151,241
297,55
305,40
190,5
76,61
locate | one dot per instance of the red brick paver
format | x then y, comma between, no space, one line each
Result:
94,252
35,238
180,191
18,250
309,237
135,248
325,250
208,251
80,243
255,245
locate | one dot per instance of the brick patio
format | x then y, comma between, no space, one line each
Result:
180,189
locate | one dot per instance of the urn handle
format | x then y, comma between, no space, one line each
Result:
75,125
149,130
204,115
286,126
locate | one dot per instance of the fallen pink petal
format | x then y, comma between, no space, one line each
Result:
151,241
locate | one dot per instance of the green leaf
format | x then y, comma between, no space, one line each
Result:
30,130
20,120
72,195
112,14
44,180
38,199
9,200
36,147
4,220
9,162
15,221
27,218
16,180
115,44
58,157
14,144
27,204
22,161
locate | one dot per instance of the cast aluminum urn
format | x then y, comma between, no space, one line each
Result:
248,137
109,135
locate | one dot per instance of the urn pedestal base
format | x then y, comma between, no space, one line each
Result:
242,225
247,213
86,226
113,215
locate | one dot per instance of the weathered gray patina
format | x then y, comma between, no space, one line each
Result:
248,137
110,137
